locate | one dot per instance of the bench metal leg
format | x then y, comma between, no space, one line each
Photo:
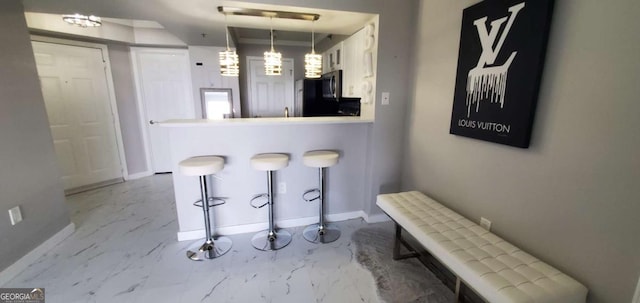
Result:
399,241
457,295
396,246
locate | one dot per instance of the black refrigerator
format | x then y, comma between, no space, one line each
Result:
309,101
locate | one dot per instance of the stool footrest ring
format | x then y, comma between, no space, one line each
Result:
315,190
265,196
219,202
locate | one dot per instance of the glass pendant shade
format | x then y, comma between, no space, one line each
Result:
82,20
312,65
272,60
312,61
272,63
229,59
229,63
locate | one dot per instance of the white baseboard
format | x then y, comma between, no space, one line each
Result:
139,175
376,218
16,268
255,227
343,216
636,296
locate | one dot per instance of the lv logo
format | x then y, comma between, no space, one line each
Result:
488,81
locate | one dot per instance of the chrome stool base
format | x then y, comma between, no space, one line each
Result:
209,250
328,234
263,241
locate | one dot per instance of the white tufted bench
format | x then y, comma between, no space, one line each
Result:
493,268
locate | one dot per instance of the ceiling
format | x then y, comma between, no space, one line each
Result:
190,19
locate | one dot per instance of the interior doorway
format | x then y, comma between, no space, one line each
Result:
78,94
270,95
163,84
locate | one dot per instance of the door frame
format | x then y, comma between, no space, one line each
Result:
142,106
110,90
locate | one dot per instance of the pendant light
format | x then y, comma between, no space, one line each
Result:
228,58
272,60
312,61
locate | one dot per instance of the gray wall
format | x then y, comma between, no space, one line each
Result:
29,174
123,82
572,198
394,75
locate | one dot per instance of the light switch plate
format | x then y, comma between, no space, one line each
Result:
385,98
15,215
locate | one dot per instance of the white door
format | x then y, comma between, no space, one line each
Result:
164,87
76,96
269,95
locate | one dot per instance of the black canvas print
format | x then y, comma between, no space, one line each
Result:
502,47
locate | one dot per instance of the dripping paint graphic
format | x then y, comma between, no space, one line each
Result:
486,82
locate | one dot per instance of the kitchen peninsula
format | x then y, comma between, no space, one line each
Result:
237,140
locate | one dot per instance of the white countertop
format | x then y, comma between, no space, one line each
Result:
263,121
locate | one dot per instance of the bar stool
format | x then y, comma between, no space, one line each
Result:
213,247
320,232
270,239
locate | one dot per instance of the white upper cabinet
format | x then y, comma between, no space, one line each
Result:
352,65
333,58
348,56
356,57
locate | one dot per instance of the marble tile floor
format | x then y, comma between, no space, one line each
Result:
125,250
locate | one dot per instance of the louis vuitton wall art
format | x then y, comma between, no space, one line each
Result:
500,62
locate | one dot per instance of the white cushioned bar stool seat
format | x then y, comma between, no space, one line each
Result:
320,232
202,166
267,162
320,158
270,239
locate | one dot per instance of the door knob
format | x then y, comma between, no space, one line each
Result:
153,122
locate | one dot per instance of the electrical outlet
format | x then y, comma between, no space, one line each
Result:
15,215
282,188
486,224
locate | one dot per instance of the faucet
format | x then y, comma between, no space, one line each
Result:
286,112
